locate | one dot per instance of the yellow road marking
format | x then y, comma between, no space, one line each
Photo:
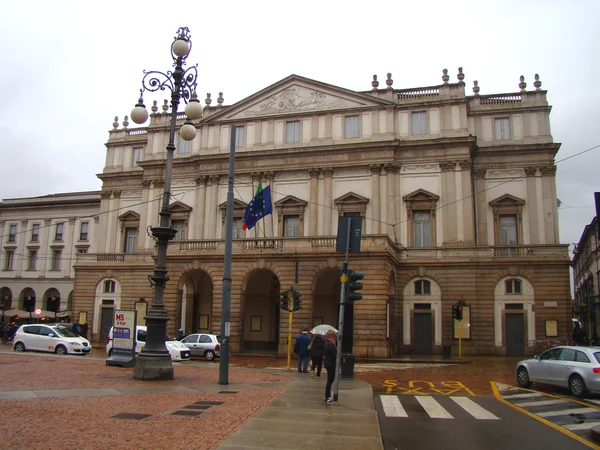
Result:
538,418
444,387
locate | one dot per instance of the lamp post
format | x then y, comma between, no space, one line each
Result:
154,361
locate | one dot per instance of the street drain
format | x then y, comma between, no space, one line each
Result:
208,402
203,407
132,416
183,412
228,392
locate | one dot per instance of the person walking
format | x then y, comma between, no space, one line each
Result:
330,356
316,353
302,343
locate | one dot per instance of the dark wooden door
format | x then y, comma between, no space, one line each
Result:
422,338
515,335
106,321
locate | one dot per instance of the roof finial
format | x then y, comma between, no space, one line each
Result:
165,106
461,77
116,123
154,107
445,76
522,84
208,100
220,100
375,83
537,83
476,88
389,80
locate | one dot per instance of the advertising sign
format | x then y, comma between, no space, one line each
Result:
122,352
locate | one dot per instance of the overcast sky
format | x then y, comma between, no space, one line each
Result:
69,67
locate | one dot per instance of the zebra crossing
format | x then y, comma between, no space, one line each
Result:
434,407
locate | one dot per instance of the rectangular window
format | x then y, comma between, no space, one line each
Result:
12,233
179,225
419,122
421,229
130,241
183,146
32,260
508,230
35,232
351,130
291,226
83,231
136,155
56,259
502,128
237,228
58,233
239,136
8,259
292,132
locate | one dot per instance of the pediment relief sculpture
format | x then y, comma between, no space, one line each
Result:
293,100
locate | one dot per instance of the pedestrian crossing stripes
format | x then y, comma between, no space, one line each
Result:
392,407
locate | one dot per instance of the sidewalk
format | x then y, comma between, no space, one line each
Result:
300,419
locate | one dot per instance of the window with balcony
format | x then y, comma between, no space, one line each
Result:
58,232
422,287
290,216
421,229
513,286
12,233
508,220
291,226
508,229
292,132
137,154
421,208
130,240
35,232
9,256
32,260
502,128
352,127
419,122
83,231
179,226
240,137
56,258
183,146
238,222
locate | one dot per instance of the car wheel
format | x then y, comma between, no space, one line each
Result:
19,347
523,377
60,350
577,386
209,355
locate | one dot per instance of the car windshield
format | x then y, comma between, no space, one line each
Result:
65,332
597,356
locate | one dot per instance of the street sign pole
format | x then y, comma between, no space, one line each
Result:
344,280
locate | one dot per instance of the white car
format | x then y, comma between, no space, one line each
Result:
178,351
50,338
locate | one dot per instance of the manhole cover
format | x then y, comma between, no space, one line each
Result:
183,412
132,416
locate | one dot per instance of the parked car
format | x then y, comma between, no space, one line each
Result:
573,367
202,344
178,351
50,338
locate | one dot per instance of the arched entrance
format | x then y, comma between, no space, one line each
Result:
260,312
325,308
27,300
5,299
51,300
194,308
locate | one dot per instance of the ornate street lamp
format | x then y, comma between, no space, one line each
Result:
154,361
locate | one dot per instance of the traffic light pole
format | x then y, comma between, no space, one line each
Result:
290,315
344,280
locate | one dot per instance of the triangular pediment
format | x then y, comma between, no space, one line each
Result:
420,195
507,200
290,200
237,204
179,207
351,198
296,95
129,215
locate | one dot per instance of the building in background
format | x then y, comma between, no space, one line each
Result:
456,194
40,238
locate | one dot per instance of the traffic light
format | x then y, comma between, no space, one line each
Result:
285,300
354,286
297,302
457,310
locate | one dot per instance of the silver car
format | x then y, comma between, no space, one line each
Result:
203,344
576,368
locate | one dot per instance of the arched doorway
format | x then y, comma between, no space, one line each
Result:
194,308
325,308
27,300
51,300
260,312
5,299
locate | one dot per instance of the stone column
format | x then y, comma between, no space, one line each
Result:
113,220
21,250
328,202
465,232
448,201
196,230
103,244
375,201
392,200
314,199
269,221
143,241
482,221
45,247
211,210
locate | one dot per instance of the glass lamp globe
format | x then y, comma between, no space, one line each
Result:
188,132
181,47
139,114
193,110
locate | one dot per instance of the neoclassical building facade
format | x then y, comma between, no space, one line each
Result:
456,194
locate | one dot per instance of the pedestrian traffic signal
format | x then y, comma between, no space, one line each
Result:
285,300
354,286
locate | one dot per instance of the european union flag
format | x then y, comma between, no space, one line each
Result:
259,207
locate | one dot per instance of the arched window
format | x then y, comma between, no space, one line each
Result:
422,287
109,286
513,286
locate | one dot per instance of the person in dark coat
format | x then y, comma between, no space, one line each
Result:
316,353
302,343
330,356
